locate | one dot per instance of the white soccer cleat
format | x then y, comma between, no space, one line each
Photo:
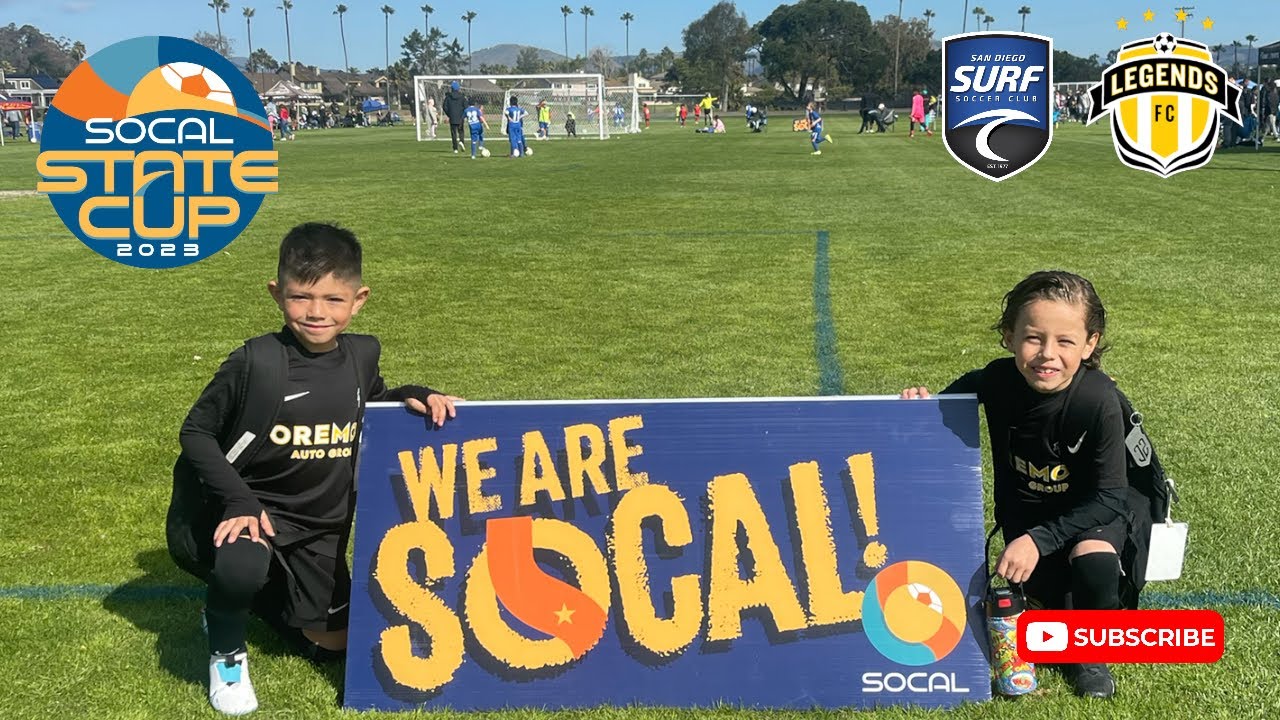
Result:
230,690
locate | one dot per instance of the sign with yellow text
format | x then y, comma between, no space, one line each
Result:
802,552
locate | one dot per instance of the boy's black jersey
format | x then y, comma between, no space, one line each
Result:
1047,485
303,472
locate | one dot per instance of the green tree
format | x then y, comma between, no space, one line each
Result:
822,42
715,46
914,38
929,15
988,20
1024,11
262,60
528,62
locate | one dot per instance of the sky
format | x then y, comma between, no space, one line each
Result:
1082,27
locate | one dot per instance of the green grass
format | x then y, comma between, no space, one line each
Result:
663,265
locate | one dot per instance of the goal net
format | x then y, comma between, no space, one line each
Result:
622,109
576,97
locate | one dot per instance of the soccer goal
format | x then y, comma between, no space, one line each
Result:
578,97
622,109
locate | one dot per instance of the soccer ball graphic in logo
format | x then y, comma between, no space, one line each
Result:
925,596
1164,43
913,613
197,80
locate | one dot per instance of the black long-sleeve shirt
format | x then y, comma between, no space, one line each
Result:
1048,486
303,473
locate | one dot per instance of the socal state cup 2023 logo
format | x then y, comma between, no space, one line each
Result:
156,152
996,101
1165,95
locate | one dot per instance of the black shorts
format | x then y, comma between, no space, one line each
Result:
1050,582
308,583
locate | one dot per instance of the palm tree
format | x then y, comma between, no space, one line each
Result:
387,12
1217,52
964,26
978,13
471,15
566,11
988,20
928,15
248,28
586,13
78,51
426,12
1251,39
1024,11
342,31
219,7
1235,54
286,6
897,44
626,20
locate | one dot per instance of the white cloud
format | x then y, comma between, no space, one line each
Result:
75,7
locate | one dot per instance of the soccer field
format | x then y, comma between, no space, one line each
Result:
666,264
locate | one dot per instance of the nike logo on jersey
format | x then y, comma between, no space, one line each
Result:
295,396
1073,448
335,610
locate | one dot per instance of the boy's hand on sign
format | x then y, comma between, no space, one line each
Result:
439,407
916,393
1018,560
231,528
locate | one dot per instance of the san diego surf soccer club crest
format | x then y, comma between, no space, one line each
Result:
1165,96
997,101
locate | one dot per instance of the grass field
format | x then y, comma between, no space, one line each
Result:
662,265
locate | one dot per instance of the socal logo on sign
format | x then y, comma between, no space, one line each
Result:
996,101
156,152
914,614
1165,95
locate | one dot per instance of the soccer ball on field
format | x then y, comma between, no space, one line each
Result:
1164,43
529,152
515,153
197,80
484,152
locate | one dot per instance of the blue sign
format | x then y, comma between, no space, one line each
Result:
768,553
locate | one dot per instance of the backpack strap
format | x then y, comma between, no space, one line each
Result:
364,351
266,370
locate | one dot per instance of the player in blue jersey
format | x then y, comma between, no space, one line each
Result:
515,116
816,135
474,116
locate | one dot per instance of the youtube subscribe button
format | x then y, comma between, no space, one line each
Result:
1121,636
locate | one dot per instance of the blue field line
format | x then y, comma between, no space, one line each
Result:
830,374
142,593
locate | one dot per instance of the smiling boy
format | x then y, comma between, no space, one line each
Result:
262,514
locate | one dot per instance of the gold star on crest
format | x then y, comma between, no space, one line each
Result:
1148,16
564,615
1182,15
1208,23
1122,24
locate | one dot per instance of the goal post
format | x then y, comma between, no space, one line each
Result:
577,96
622,108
